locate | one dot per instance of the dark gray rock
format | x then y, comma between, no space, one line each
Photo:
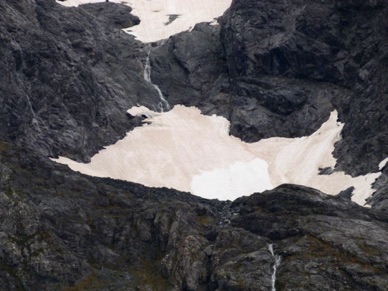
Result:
241,261
69,75
347,193
62,229
379,199
326,171
112,15
279,67
190,69
323,241
272,68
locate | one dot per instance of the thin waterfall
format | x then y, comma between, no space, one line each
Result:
34,117
163,103
274,267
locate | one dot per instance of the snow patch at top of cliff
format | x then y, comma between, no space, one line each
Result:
159,19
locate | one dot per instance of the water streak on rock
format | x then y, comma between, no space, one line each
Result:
274,267
163,103
34,119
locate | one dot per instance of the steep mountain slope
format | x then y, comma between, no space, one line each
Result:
277,68
59,228
68,77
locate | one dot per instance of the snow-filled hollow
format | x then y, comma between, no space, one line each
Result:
188,151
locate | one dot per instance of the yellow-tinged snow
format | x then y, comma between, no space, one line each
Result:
187,151
154,15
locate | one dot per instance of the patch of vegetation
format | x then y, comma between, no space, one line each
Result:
90,282
147,276
11,193
4,146
205,219
370,251
24,242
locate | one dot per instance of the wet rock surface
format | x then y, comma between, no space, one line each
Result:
68,77
190,68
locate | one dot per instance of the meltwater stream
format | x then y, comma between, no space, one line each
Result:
163,104
275,266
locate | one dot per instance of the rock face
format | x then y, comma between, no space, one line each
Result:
190,68
61,229
278,68
272,68
315,235
69,75
379,199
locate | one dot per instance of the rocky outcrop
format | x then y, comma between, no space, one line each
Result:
68,76
379,199
323,241
190,69
61,229
278,68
